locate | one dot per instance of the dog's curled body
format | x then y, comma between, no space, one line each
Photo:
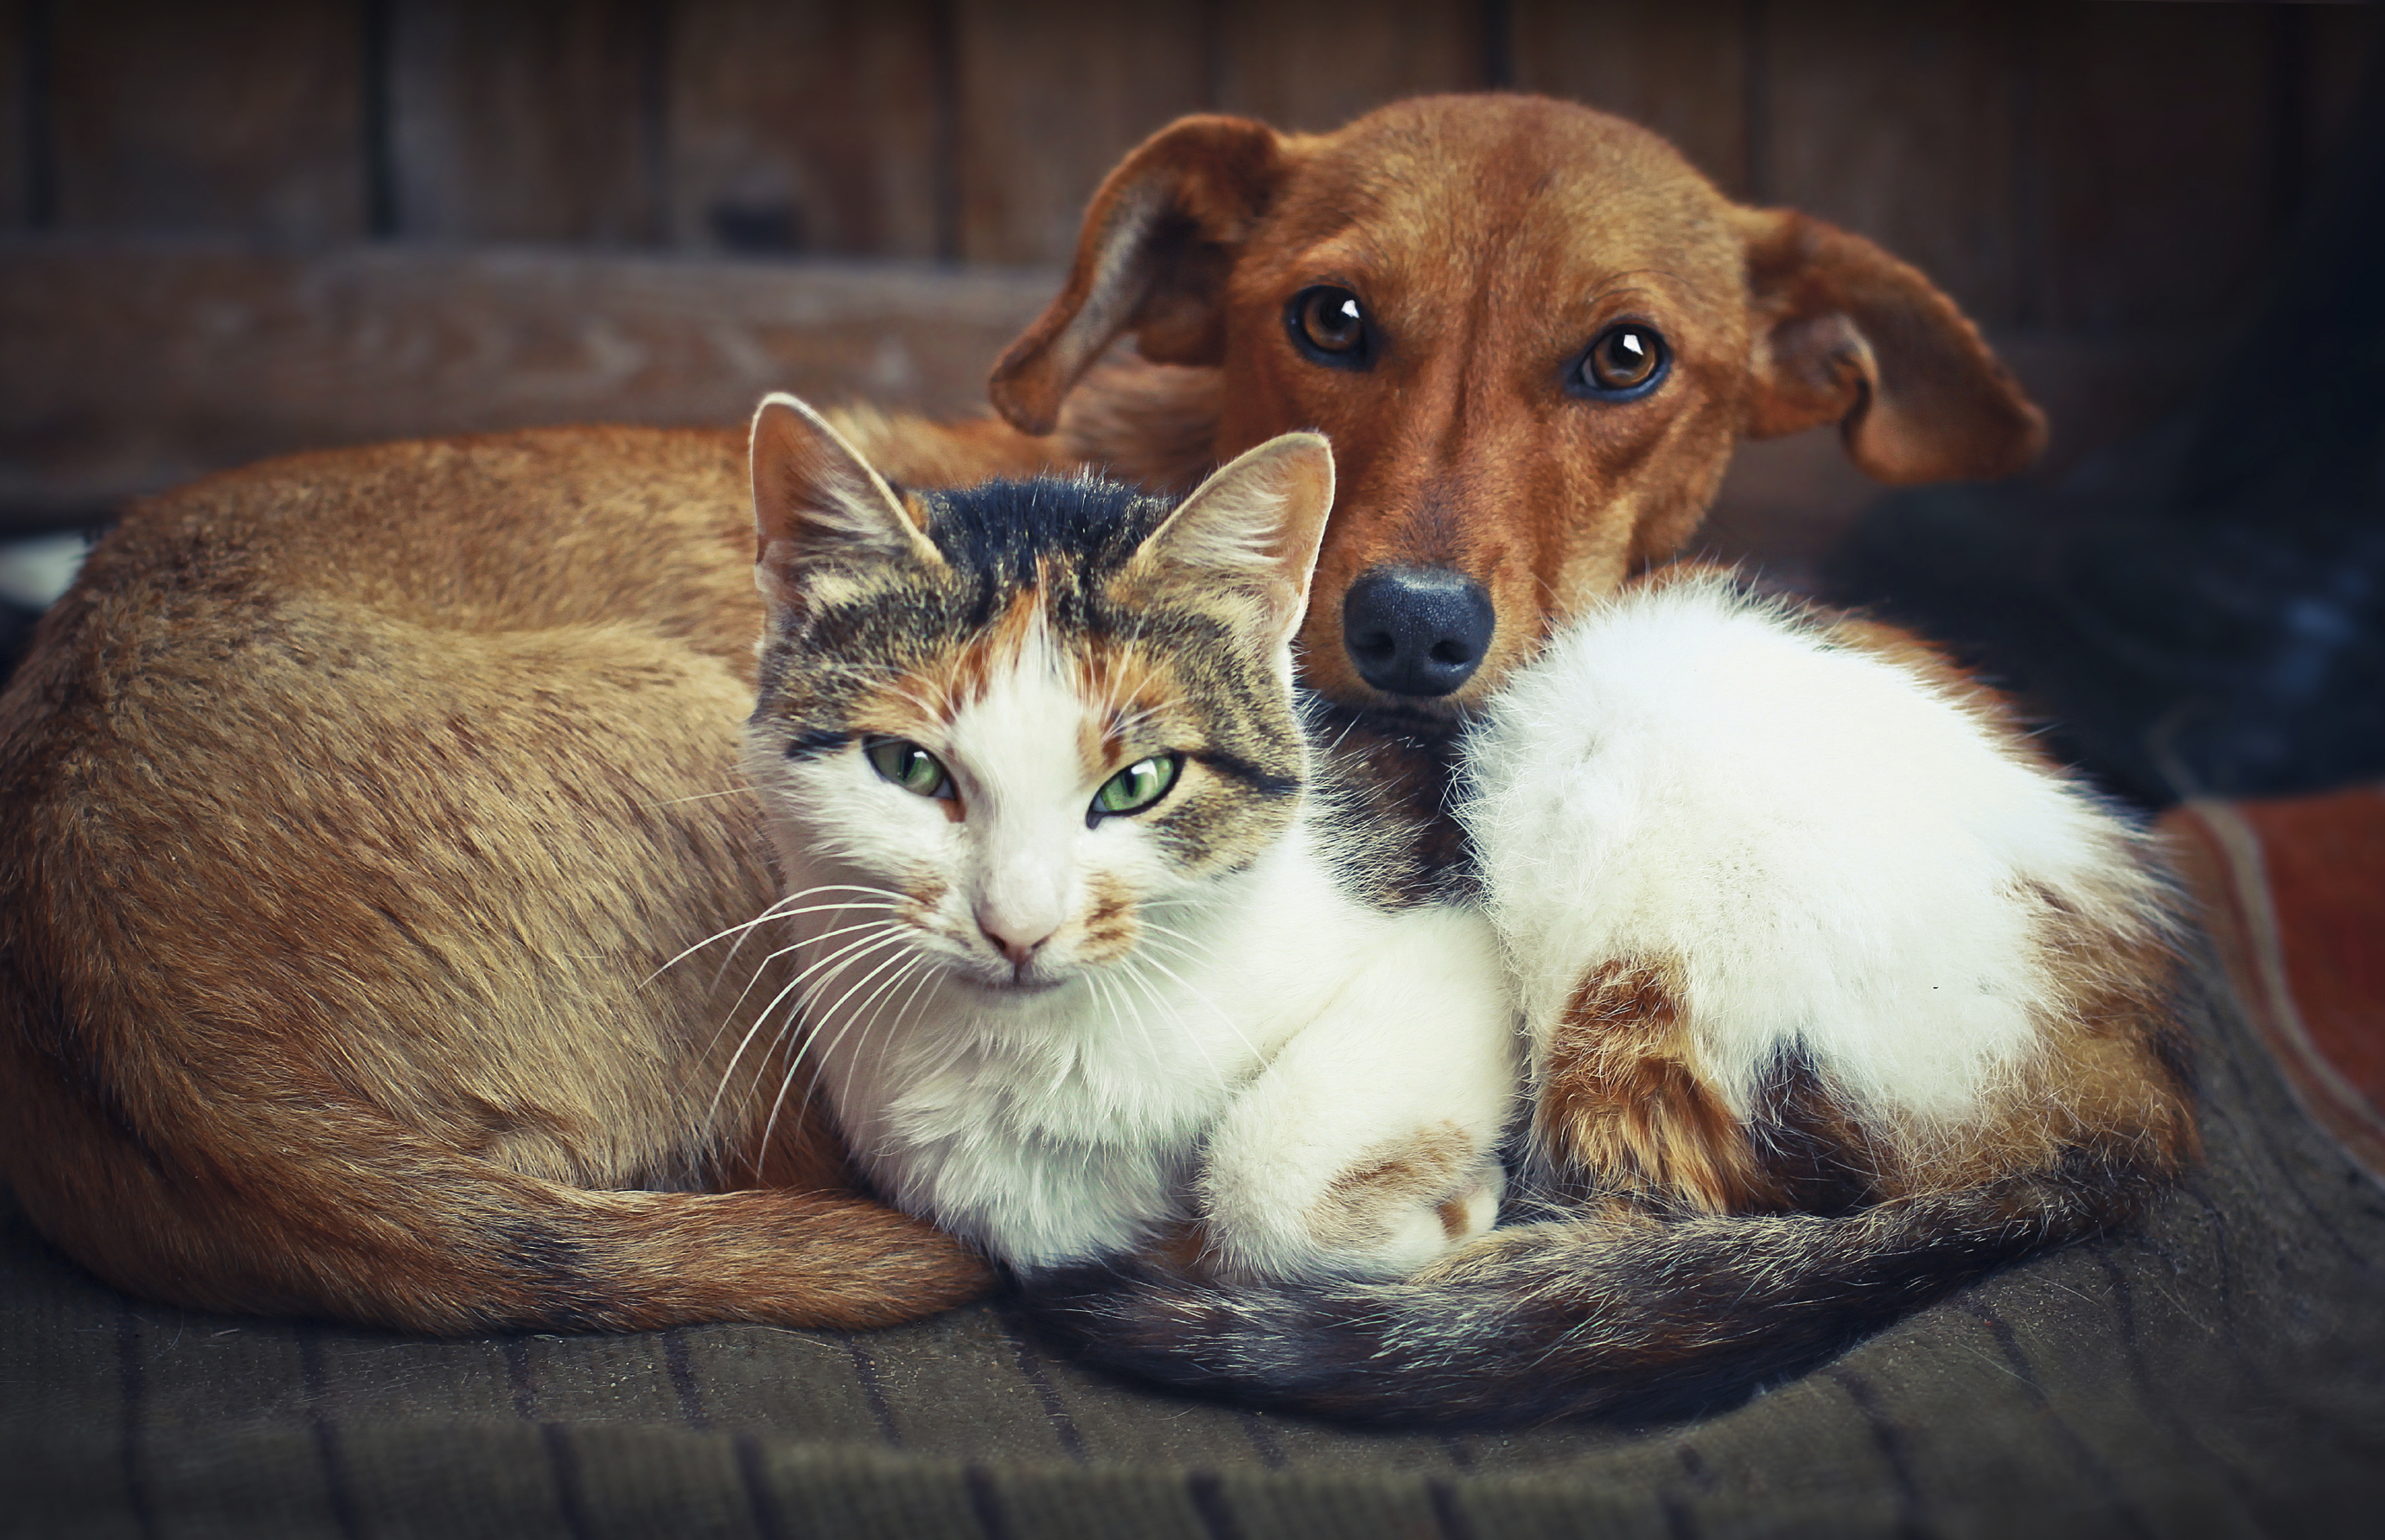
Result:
1837,995
356,805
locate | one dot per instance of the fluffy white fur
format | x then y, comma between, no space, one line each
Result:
1835,854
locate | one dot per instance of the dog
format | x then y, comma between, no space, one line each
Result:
380,884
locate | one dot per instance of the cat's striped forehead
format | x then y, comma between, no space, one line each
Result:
1048,532
1023,644
900,648
1122,692
900,642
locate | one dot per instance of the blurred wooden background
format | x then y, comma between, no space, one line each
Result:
236,227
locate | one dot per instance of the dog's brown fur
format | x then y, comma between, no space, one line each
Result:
355,804
1491,238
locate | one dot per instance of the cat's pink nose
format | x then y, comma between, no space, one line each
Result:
1017,942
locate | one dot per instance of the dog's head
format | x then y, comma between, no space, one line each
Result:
1533,334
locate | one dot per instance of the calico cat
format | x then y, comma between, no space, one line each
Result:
1097,960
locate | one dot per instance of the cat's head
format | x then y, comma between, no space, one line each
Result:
1029,712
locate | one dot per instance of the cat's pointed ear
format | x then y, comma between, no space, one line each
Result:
817,504
1250,531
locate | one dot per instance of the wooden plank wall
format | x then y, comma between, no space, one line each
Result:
2057,164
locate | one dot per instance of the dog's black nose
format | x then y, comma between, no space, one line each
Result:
1417,630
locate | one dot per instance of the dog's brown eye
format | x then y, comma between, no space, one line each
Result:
1329,326
1624,363
1331,319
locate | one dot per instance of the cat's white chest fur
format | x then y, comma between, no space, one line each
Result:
1073,1147
1067,1126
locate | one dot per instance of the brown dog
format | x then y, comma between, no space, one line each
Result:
367,815
1534,335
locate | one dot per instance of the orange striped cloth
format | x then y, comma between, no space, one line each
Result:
2293,890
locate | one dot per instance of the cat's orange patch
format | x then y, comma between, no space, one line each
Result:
1127,691
1627,1103
929,698
1110,928
918,906
1357,1209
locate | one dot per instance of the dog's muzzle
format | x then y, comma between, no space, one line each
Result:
1417,630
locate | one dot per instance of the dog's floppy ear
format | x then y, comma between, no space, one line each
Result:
1158,243
1845,332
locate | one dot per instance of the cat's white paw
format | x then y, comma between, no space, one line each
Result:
1388,1212
1420,1230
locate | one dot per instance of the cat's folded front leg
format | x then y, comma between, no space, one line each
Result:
1369,1144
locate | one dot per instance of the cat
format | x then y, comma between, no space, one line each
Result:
1098,959
1838,995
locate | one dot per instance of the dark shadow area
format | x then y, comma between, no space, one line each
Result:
2201,611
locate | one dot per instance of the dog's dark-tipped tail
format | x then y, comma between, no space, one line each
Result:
1584,1317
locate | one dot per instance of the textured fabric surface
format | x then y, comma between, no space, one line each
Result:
2219,1370
2296,890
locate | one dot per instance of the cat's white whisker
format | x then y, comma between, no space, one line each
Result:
1223,1015
931,978
813,1020
917,962
1114,1005
728,1017
1151,992
763,966
891,894
781,908
876,1001
1184,943
728,958
790,913
763,1016
802,942
795,1020
776,911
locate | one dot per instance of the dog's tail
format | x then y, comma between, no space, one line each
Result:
287,1218
1584,1317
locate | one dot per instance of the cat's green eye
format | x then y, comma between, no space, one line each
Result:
1138,786
909,766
